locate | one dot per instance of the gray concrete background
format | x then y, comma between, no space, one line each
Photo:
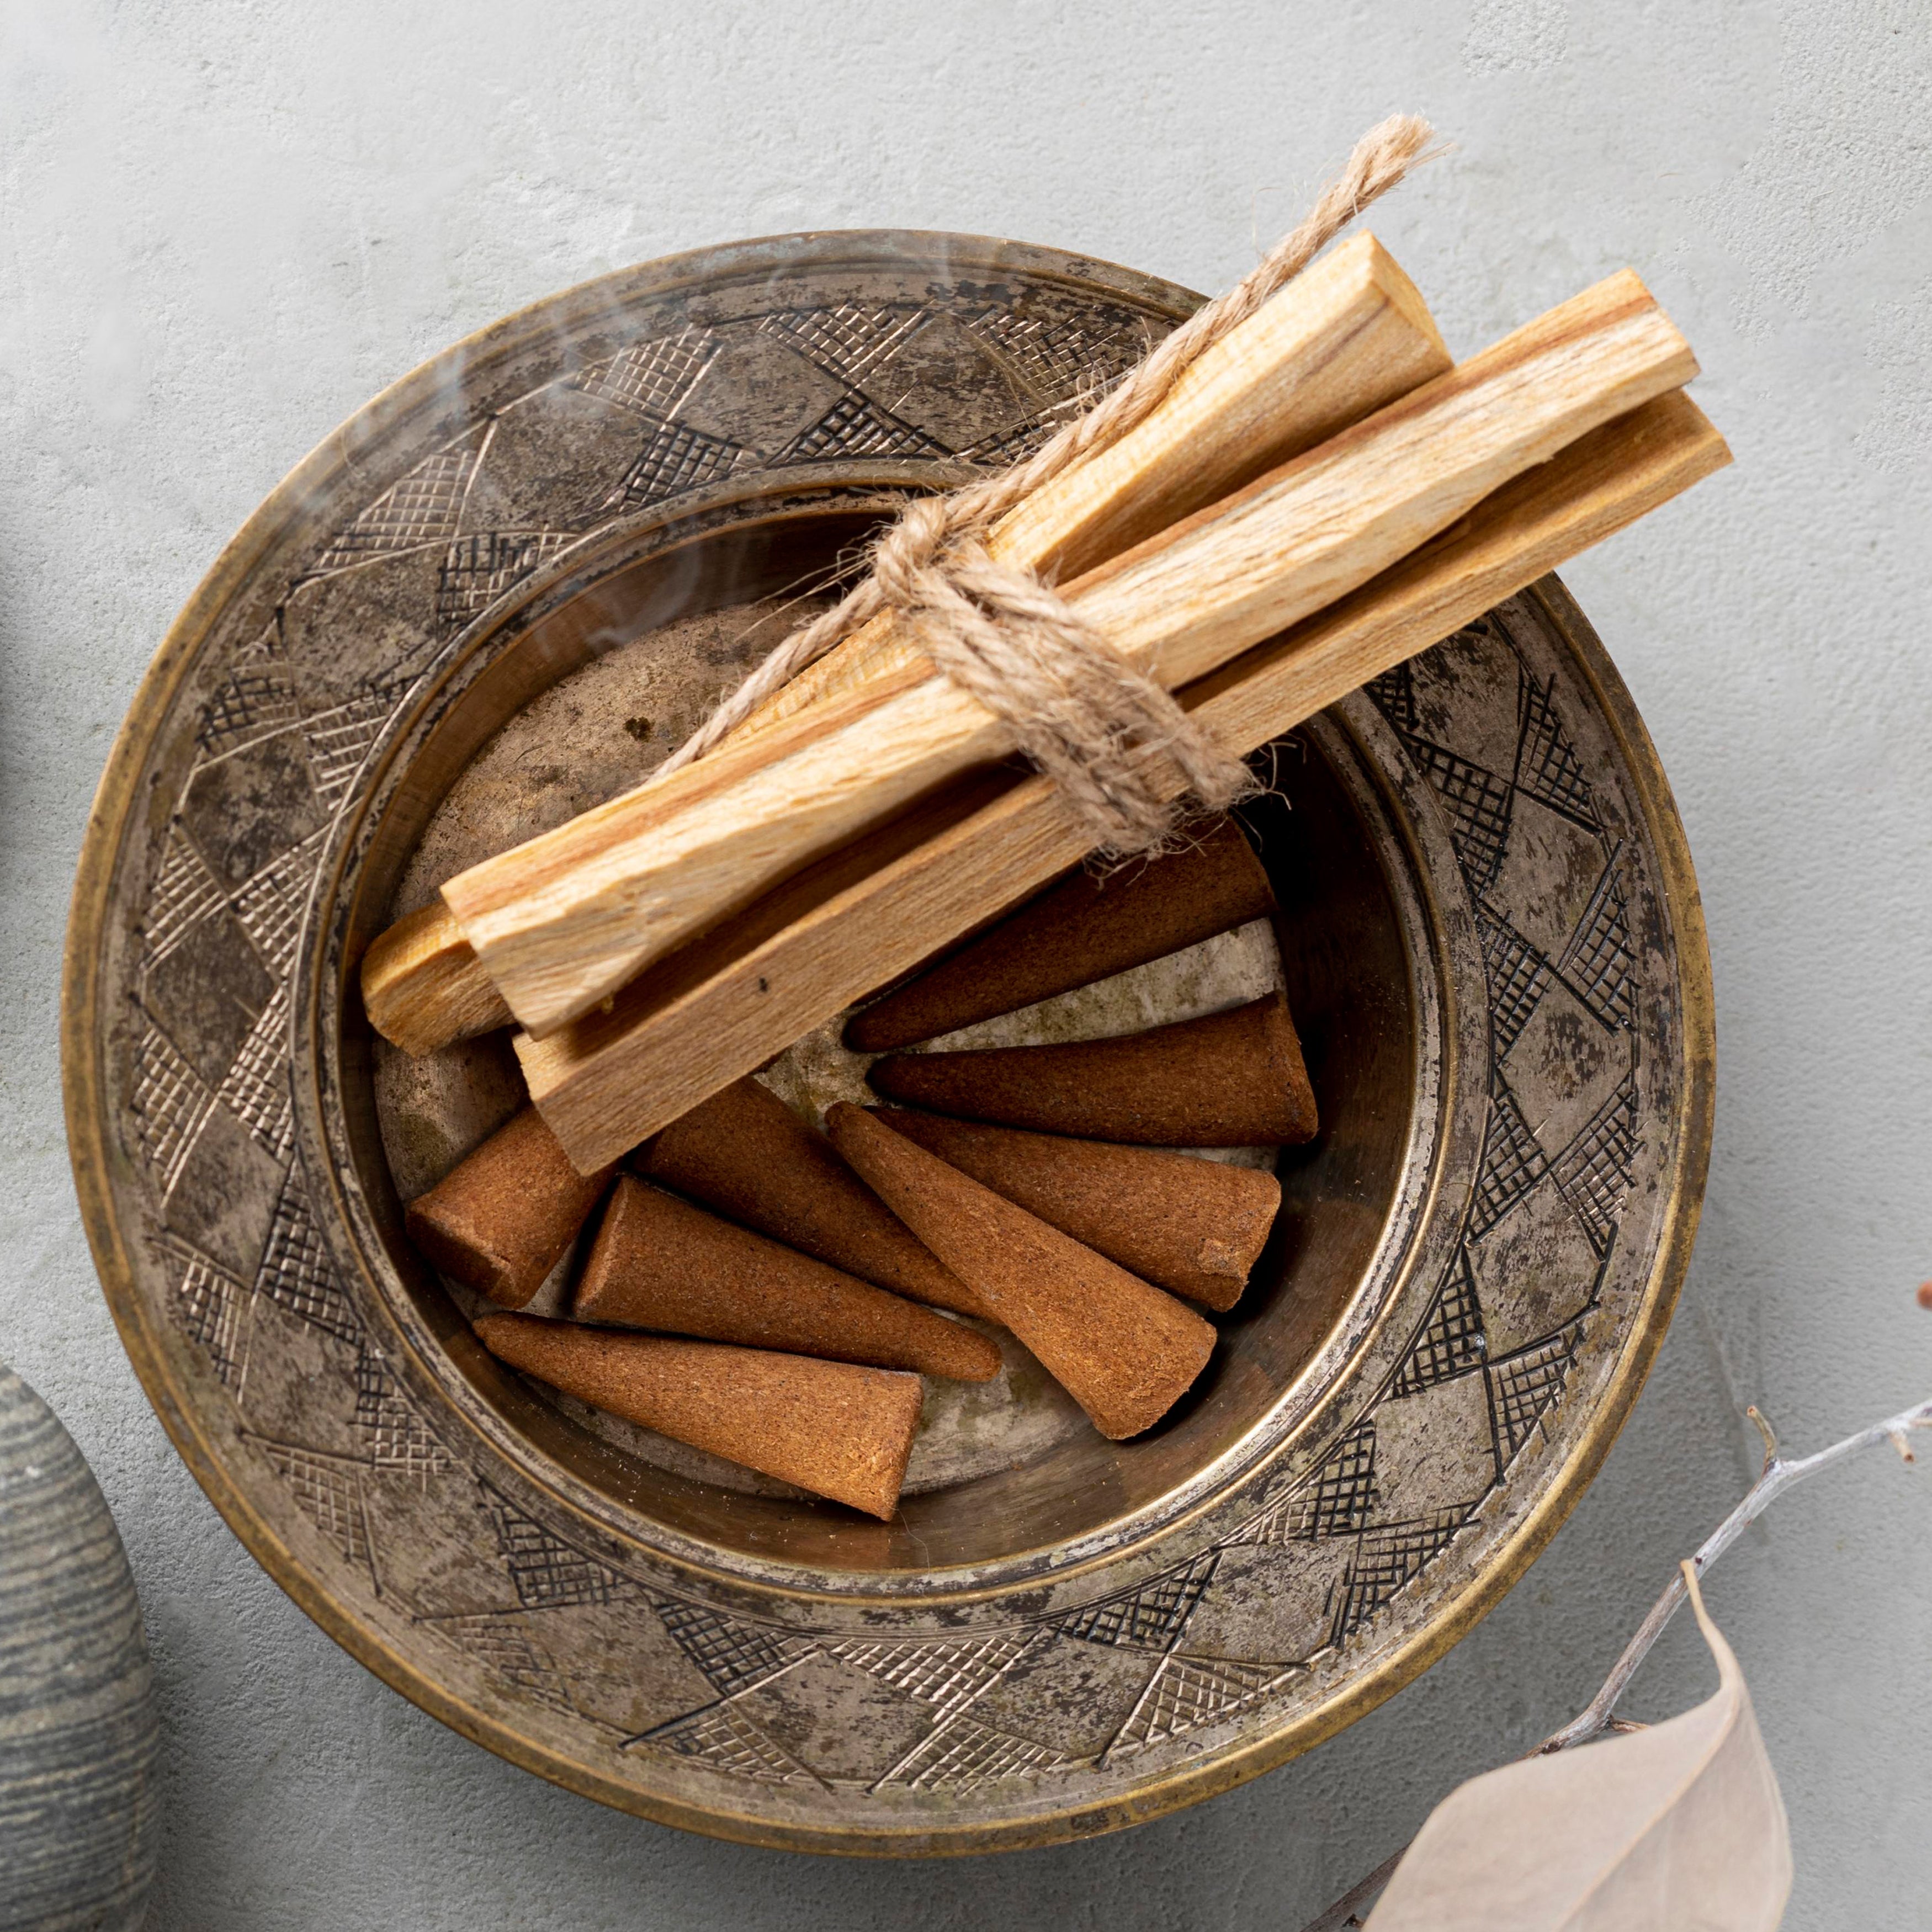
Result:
224,227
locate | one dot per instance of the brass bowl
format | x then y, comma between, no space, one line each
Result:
515,578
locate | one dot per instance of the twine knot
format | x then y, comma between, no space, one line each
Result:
1081,715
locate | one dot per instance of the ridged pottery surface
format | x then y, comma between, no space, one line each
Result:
77,1729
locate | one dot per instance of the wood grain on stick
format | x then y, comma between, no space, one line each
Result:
423,985
1349,334
669,1043
563,921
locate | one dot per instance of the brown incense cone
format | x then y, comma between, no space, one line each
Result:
1083,929
1125,1351
500,1221
1192,1225
658,1262
833,1428
744,1152
1233,1079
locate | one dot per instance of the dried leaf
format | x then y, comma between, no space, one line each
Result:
1679,1826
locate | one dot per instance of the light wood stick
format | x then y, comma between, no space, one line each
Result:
672,1040
423,985
1348,335
562,921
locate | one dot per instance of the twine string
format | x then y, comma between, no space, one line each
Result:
1078,712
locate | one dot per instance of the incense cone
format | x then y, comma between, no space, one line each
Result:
1231,1079
658,1262
1193,1225
1124,1350
835,1429
744,1152
1083,929
502,1220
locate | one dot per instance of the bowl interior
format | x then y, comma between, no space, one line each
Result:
578,691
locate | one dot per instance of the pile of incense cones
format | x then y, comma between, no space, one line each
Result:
770,1293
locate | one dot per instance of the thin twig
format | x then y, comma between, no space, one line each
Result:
1779,1476
1347,1910
1596,1719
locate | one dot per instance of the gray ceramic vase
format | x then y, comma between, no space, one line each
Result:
77,1729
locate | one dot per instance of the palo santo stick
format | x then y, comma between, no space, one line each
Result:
423,985
1348,335
1125,1351
562,922
1227,1079
658,1262
744,1152
1084,929
609,1080
501,1220
1194,1226
833,1428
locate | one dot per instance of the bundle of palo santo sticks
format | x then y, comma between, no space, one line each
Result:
1322,494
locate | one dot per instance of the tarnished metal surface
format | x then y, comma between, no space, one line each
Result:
563,527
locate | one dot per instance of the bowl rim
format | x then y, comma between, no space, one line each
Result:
95,1156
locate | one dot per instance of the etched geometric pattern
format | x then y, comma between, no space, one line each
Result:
185,892
1546,767
478,570
1389,1558
296,1272
1514,1161
507,1652
424,508
253,704
1188,1692
1393,695
1151,1617
651,377
948,1674
1334,1502
265,647
339,739
170,1101
257,1088
962,1757
723,1739
210,1303
1523,1387
676,459
399,1438
733,1656
1452,1340
328,1490
548,1573
1593,1170
1598,965
271,905
1519,976
1064,357
1477,803
856,426
850,339
1009,445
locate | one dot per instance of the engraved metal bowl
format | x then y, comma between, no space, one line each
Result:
509,584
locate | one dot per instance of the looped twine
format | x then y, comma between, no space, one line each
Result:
1099,728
